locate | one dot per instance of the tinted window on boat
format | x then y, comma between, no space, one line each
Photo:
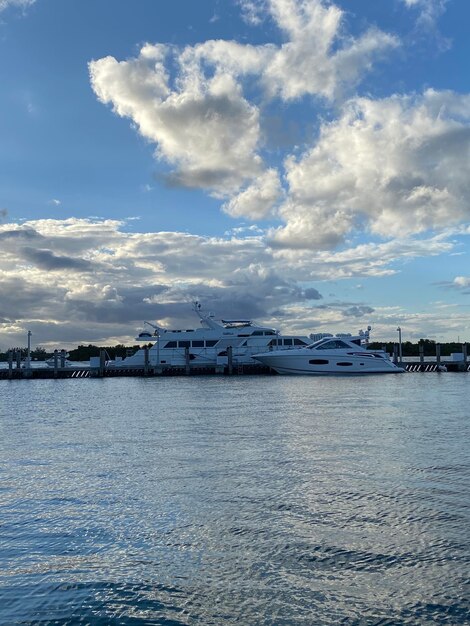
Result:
345,364
198,344
336,344
318,362
287,342
299,342
211,342
170,344
184,344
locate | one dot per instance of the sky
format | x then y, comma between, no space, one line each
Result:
305,163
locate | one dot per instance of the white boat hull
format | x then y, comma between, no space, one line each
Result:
315,365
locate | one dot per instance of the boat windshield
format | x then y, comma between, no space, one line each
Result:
236,323
317,343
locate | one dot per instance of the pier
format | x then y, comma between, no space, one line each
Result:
113,372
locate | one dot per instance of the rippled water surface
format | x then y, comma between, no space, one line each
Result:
251,500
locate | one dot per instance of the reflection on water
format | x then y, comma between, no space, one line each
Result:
252,500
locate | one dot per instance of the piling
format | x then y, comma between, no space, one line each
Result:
421,357
395,353
18,359
186,361
438,354
10,364
230,360
102,362
146,360
56,363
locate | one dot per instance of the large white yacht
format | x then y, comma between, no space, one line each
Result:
208,344
340,354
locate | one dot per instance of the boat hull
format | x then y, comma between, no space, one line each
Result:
333,365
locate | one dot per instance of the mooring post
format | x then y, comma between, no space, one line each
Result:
56,362
10,364
62,358
464,352
395,353
421,357
230,360
146,360
438,354
186,360
102,362
18,359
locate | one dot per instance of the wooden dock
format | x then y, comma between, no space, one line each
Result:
15,373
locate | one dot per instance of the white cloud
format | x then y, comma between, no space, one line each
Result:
253,11
428,13
461,282
205,128
191,102
22,4
396,166
429,10
316,60
258,199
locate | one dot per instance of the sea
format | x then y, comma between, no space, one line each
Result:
248,500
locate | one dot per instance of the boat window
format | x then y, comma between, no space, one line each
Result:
184,344
299,342
356,341
318,362
197,343
270,332
335,344
287,342
345,364
170,344
257,333
211,342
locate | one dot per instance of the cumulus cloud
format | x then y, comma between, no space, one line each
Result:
316,60
191,102
205,128
396,166
258,199
459,283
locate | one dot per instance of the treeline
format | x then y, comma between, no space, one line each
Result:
81,353
412,349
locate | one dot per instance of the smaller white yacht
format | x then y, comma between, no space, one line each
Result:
339,354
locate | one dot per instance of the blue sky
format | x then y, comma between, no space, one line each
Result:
302,162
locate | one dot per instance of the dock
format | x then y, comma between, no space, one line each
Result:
35,373
135,371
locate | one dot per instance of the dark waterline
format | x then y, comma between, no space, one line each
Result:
252,500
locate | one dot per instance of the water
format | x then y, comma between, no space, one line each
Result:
251,500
